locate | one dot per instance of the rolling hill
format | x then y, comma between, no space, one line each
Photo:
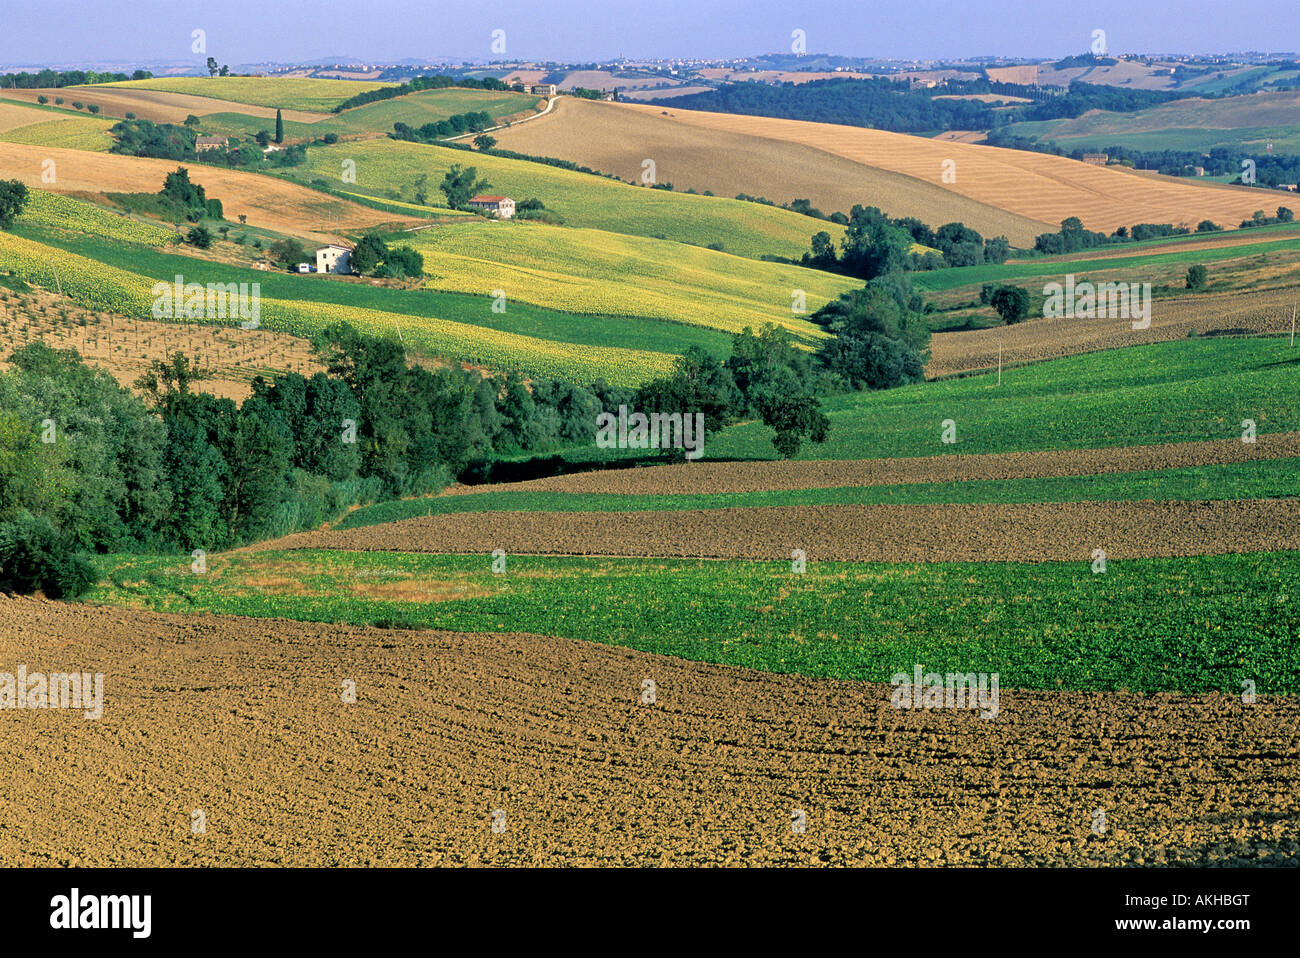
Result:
582,199
1025,190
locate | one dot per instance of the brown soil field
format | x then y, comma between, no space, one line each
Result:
616,138
1036,186
1266,311
269,203
962,136
156,105
1019,532
243,720
124,347
1025,75
704,478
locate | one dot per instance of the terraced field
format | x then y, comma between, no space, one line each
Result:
449,728
583,200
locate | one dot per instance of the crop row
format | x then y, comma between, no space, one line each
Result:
51,209
99,286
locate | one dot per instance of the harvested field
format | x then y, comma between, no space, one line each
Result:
1265,311
157,105
1019,532
124,347
242,719
1036,186
616,139
701,478
13,116
269,203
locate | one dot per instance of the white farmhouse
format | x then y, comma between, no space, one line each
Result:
501,206
333,259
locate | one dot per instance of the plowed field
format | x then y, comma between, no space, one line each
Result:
1019,532
242,720
779,475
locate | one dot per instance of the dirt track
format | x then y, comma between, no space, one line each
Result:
1019,532
779,475
242,718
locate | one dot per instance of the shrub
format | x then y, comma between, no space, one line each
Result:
1011,303
1196,277
199,236
34,555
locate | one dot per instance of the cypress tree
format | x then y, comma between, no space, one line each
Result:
279,127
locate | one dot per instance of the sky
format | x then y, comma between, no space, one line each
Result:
256,31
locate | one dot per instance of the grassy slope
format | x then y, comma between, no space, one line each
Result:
414,109
1265,479
1165,392
1192,625
591,271
746,229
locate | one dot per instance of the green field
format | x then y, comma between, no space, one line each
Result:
1181,391
1238,122
1192,625
414,109
582,199
1013,269
286,93
1263,479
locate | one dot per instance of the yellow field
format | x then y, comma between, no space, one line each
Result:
617,138
23,124
97,286
296,93
50,209
268,202
1033,185
594,272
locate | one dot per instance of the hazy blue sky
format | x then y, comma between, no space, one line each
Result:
249,31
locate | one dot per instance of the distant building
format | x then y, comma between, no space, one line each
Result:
502,206
333,259
1198,170
205,143
1096,159
543,89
